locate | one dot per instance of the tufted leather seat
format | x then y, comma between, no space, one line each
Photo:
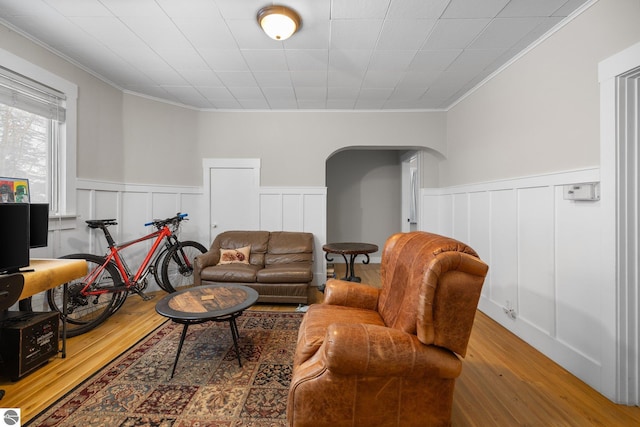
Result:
389,356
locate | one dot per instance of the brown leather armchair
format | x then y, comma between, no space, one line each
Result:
389,356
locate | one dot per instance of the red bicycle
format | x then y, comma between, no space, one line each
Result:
95,297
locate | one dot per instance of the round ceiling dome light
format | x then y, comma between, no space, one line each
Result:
279,22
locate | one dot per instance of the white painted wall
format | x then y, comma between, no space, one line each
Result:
100,150
159,142
293,146
541,114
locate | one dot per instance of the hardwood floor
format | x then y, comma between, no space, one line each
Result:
504,381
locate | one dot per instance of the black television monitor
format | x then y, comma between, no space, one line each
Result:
39,225
14,237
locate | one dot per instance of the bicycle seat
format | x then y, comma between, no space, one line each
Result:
99,223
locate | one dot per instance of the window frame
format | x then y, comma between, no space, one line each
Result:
67,130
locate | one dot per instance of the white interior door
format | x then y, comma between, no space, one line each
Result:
233,194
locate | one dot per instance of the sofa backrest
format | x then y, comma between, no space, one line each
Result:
431,285
287,247
238,239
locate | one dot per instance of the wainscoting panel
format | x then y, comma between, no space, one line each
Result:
460,217
315,214
536,281
271,211
543,253
195,228
297,209
503,244
132,206
479,233
292,212
429,218
445,215
315,221
294,209
578,270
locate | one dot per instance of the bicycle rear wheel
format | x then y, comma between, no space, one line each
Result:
85,312
177,265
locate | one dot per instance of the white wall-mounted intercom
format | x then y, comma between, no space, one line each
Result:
587,191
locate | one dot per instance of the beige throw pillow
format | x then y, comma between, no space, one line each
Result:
230,256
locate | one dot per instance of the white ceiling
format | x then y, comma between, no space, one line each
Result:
349,54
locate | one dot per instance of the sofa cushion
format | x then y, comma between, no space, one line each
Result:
236,272
272,259
258,240
231,256
285,273
290,242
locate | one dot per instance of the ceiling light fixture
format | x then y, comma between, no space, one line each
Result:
279,22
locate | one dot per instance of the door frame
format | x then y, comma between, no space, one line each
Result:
621,339
410,190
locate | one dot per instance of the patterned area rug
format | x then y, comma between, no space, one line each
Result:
209,389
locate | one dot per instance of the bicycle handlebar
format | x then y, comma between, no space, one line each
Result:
162,222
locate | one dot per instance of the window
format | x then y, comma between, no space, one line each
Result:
37,131
29,117
25,141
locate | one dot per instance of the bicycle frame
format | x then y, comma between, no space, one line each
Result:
114,255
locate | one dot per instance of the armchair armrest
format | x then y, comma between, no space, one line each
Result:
373,350
351,294
203,260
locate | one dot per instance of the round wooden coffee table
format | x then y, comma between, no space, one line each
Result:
210,303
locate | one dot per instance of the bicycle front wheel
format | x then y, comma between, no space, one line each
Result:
177,265
85,312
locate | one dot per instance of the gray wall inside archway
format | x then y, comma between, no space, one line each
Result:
364,196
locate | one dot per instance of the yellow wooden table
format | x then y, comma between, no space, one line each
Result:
49,273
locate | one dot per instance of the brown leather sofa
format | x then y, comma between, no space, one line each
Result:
277,264
389,356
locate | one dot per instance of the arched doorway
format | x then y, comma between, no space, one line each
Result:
373,192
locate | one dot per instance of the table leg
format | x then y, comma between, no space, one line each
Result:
353,277
25,305
235,334
182,337
348,264
351,271
350,274
65,295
